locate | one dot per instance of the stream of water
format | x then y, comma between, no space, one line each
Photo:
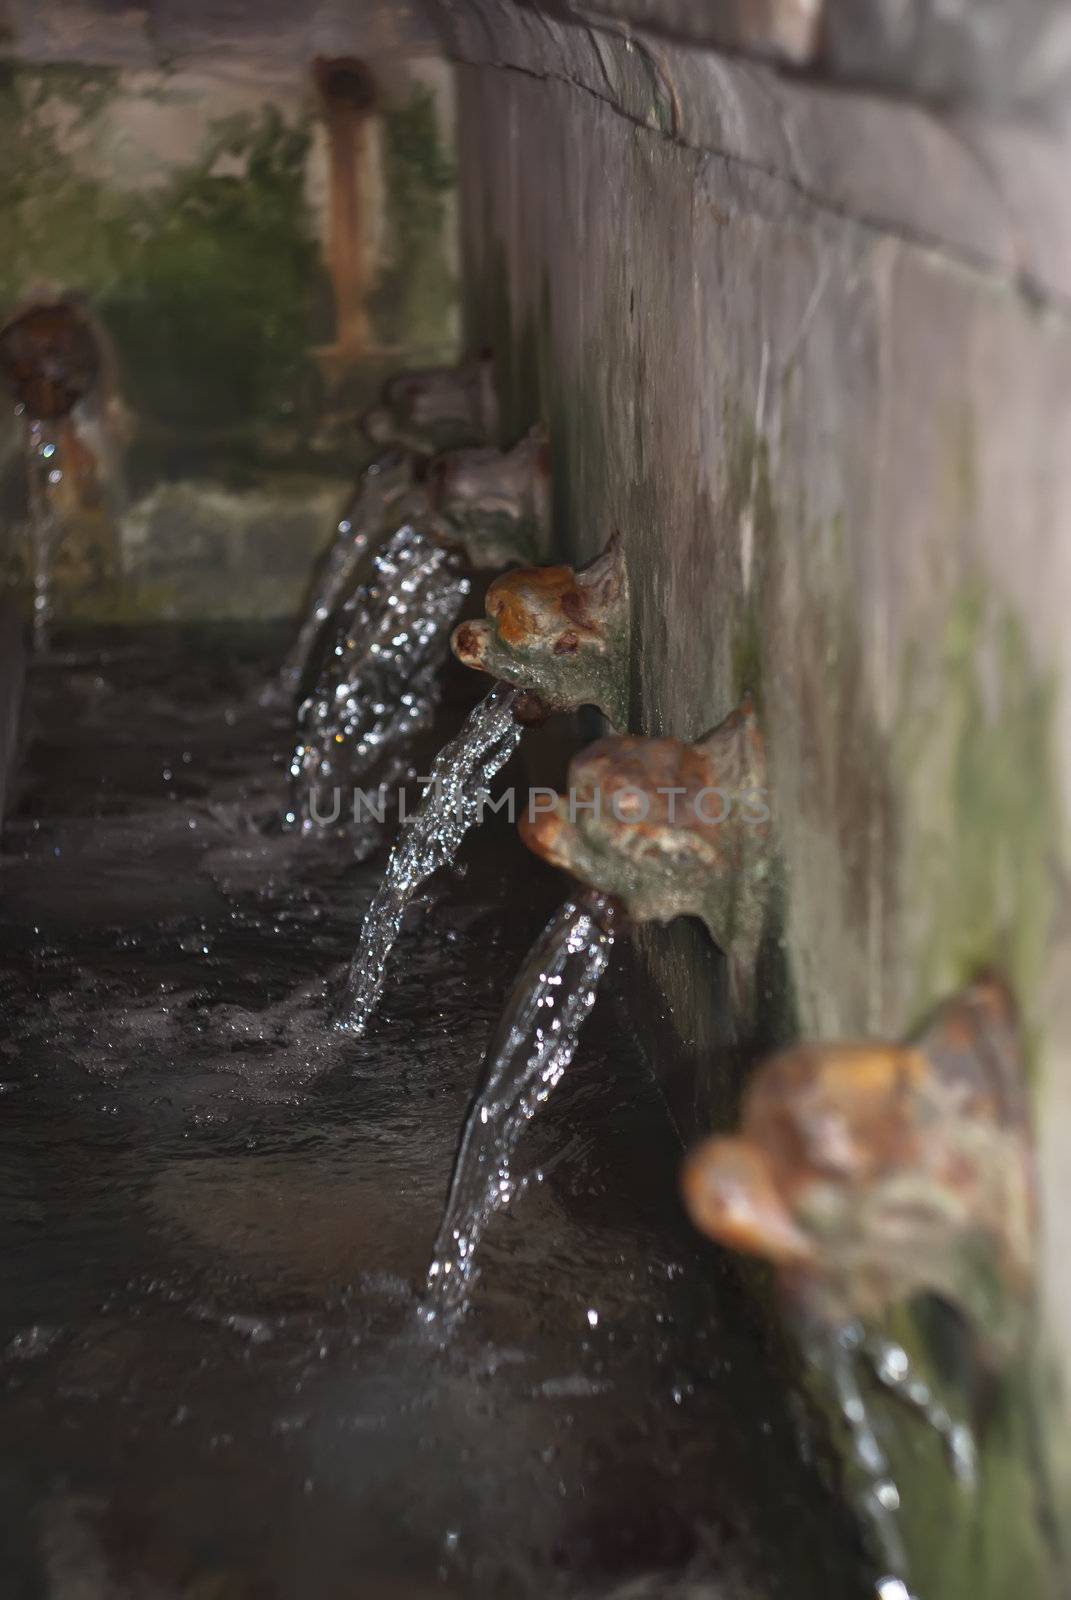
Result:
379,685
529,1054
452,804
44,471
355,537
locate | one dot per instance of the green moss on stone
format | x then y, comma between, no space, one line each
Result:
968,1542
974,751
207,283
60,226
212,306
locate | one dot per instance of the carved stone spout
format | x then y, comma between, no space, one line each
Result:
875,1177
871,1173
437,408
49,356
672,829
496,503
560,633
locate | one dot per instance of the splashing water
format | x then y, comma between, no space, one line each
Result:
44,473
532,1049
452,804
380,684
382,484
837,1353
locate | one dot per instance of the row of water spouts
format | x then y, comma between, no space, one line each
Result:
868,1174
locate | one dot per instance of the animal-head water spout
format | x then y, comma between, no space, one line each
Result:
672,829
871,1173
496,503
438,408
561,633
50,358
874,1176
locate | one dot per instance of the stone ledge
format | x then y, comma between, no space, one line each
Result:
990,53
992,195
238,37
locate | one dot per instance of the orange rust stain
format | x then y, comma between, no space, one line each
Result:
543,834
843,1109
654,767
50,357
348,96
468,643
730,1194
511,598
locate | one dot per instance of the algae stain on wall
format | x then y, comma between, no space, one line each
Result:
179,209
974,748
59,223
214,307
208,280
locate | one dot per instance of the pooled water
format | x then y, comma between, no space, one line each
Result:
453,803
216,1215
355,536
531,1050
380,683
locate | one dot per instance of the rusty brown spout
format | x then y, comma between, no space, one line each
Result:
435,409
50,359
672,829
871,1173
561,633
872,1176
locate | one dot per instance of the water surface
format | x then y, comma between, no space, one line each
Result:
216,1214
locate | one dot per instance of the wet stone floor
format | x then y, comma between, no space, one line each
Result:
216,1214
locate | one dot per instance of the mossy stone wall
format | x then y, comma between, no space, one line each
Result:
188,213
834,429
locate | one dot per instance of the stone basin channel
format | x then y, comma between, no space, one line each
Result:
216,1212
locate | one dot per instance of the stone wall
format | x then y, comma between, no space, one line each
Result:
254,264
990,52
811,353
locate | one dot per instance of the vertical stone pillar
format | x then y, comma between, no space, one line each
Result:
347,93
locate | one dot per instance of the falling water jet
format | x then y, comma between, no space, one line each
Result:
379,685
453,803
531,1050
555,602
385,497
833,1352
44,474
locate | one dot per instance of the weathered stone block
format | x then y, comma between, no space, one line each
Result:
814,362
